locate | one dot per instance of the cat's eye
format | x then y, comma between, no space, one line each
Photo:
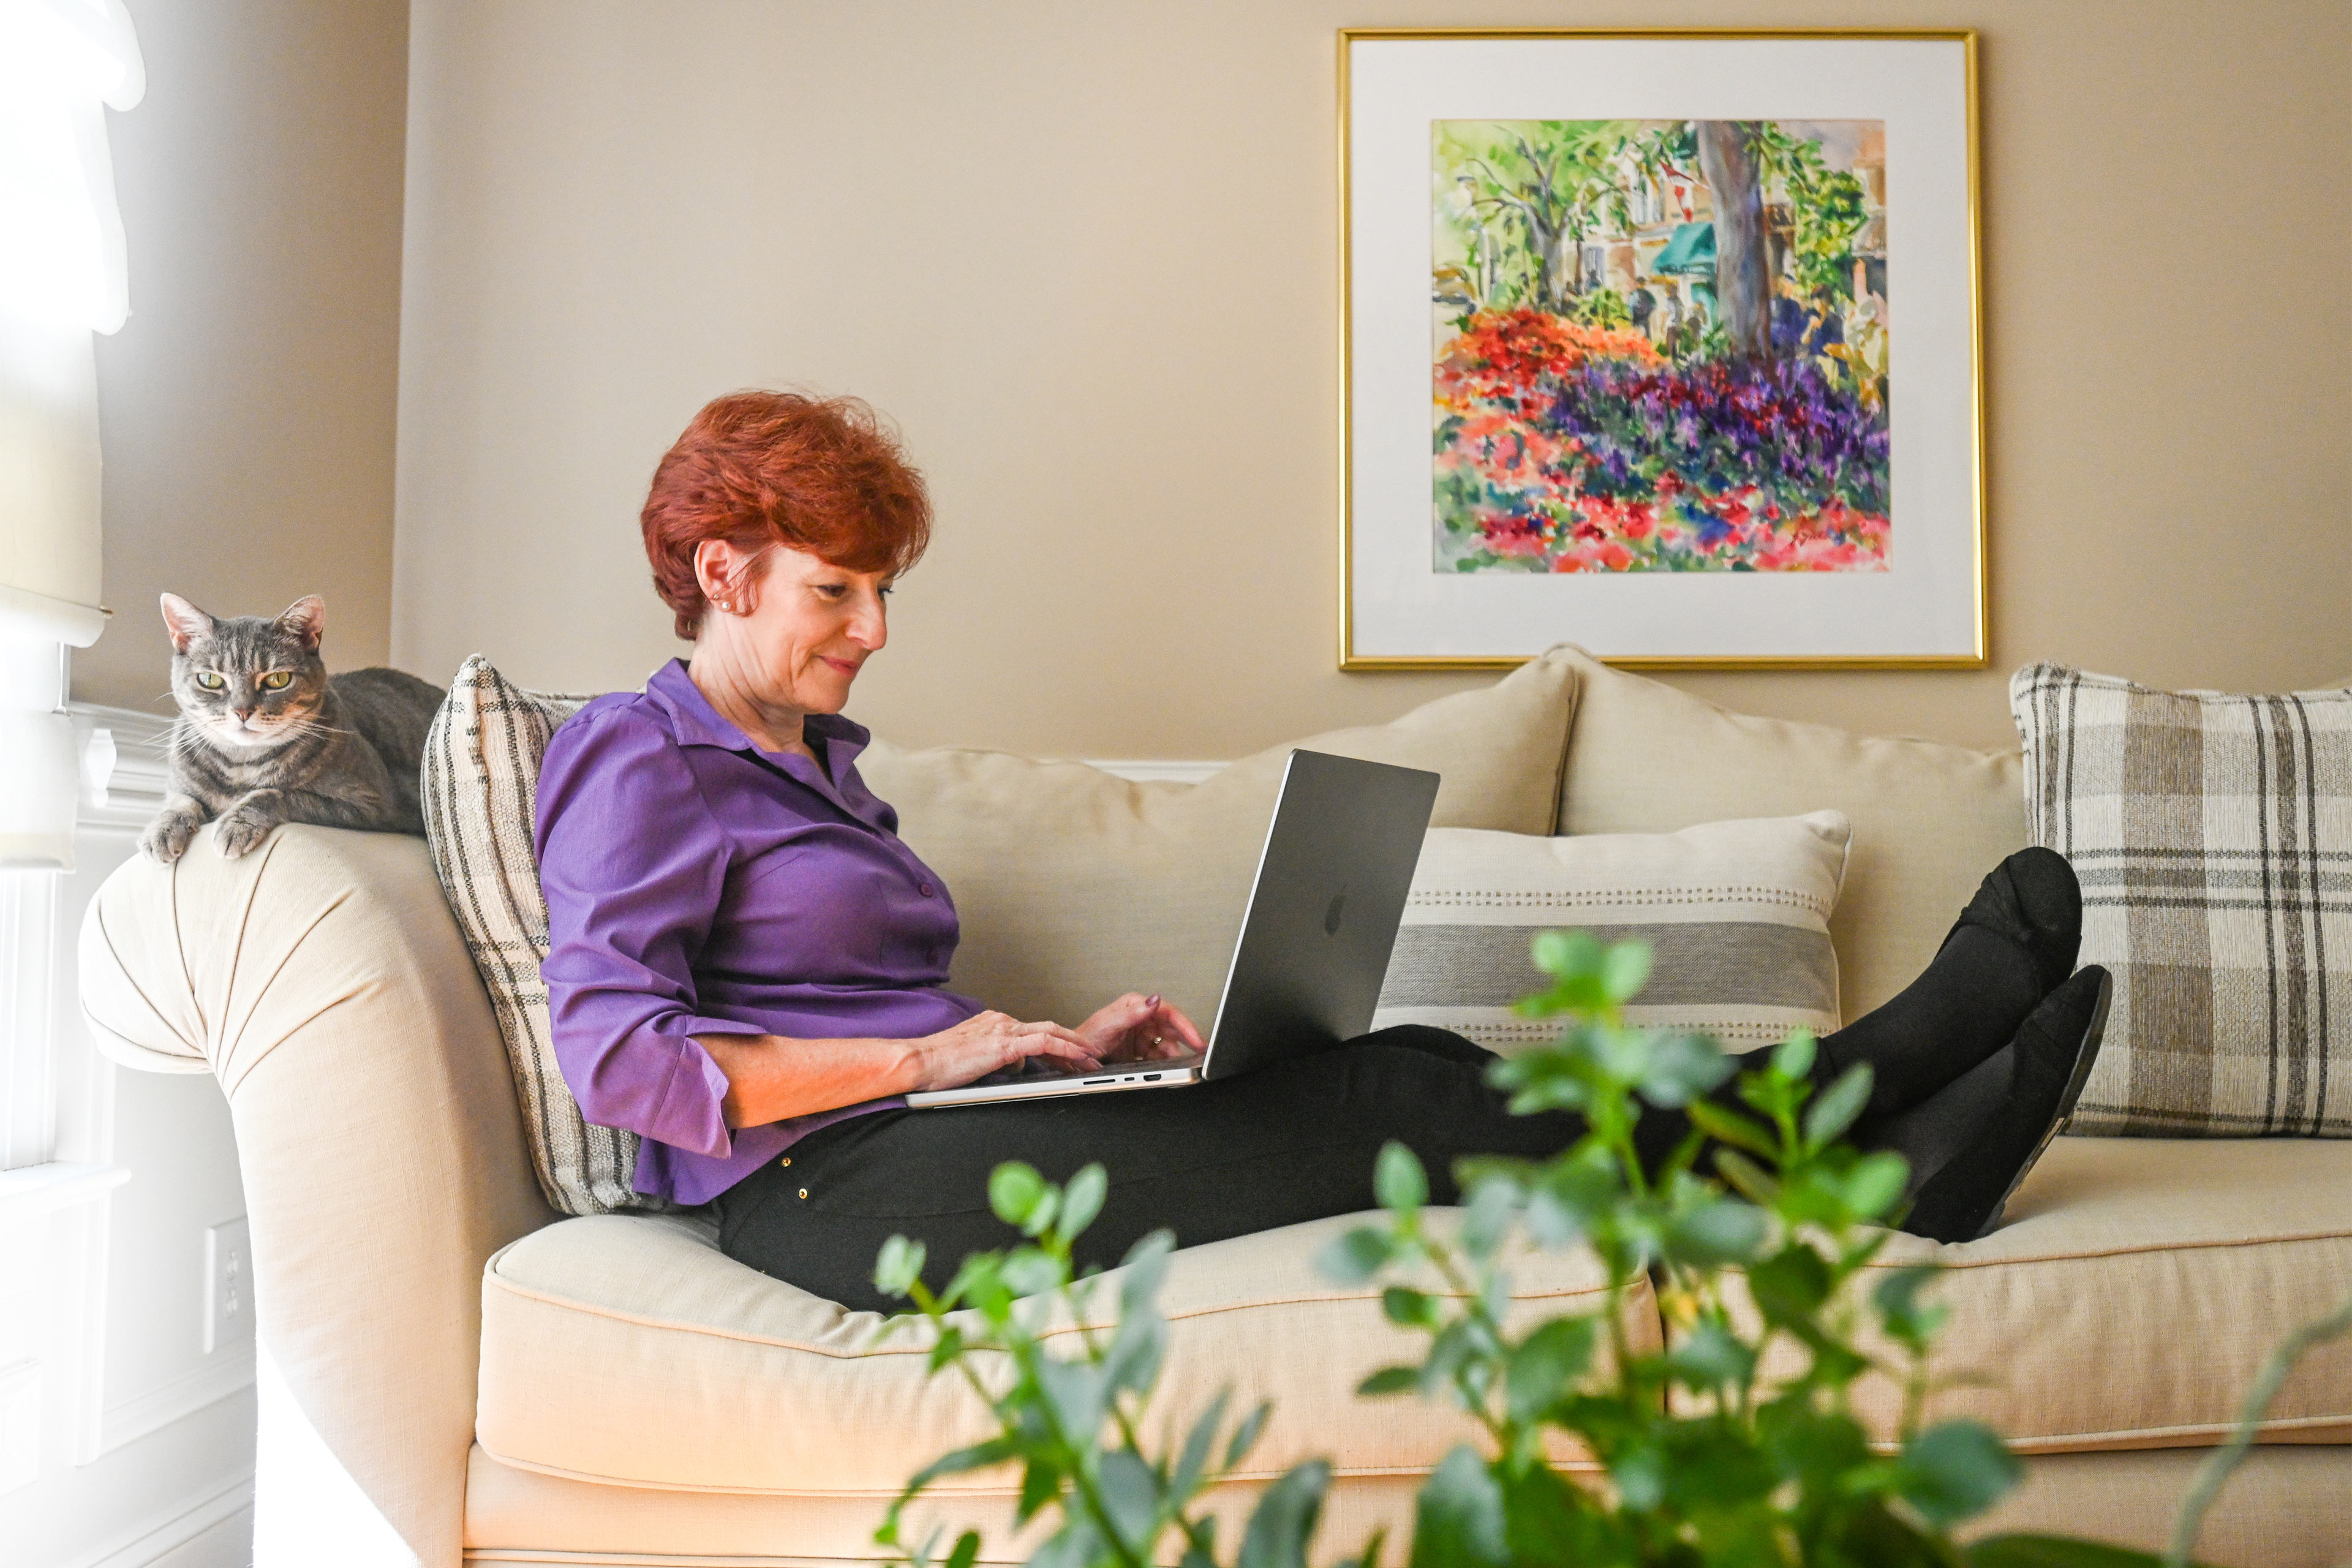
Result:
277,680
210,681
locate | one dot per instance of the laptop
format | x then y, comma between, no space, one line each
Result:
1322,919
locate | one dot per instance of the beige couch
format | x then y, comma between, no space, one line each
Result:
503,1385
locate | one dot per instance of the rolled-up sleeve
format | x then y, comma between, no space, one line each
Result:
633,865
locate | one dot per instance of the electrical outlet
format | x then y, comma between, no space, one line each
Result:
228,1285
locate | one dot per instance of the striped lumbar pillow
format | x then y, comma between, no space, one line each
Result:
480,785
2213,838
1736,915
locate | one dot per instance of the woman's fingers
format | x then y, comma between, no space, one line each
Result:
1070,1037
1182,1028
1042,1038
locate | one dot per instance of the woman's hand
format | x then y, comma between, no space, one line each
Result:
1140,1029
988,1042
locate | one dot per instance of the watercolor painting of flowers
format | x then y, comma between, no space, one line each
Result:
1616,356
1660,345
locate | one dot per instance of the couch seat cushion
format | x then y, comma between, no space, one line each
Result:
626,1349
2135,1288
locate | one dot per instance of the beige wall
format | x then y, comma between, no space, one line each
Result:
246,407
1085,253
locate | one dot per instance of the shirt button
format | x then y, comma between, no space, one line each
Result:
804,1191
787,1160
924,889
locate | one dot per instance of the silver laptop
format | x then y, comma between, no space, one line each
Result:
1315,943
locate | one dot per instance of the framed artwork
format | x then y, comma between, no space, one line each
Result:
1664,343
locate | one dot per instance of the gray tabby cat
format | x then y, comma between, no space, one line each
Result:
266,736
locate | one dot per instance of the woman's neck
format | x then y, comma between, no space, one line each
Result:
723,674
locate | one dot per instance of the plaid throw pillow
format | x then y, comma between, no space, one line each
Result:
2213,838
480,783
1736,915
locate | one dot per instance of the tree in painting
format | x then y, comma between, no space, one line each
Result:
1660,345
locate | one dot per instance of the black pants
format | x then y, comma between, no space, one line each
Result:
1271,1148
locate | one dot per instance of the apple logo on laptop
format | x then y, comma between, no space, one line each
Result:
1331,915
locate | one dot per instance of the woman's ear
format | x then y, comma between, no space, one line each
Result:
728,573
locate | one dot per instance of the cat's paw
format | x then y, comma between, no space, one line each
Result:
167,836
241,831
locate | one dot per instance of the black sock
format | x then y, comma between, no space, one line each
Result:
2038,1080
1942,1127
2014,944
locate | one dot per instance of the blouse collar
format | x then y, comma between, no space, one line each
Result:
696,723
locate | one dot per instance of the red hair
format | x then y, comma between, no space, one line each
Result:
761,468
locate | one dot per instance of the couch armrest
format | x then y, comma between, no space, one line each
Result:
324,981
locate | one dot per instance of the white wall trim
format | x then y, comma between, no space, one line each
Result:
20,1424
59,1185
228,1370
191,1522
124,772
1149,770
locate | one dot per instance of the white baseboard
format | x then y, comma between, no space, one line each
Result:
156,1540
228,1370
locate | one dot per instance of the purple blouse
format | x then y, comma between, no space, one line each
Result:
698,884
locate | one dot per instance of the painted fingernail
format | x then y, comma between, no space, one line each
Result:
1152,1000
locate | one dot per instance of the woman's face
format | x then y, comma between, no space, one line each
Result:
804,626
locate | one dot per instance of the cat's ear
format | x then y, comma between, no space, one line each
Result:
306,618
184,622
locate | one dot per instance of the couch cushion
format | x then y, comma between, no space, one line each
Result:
479,781
1929,820
1735,913
514,1515
1076,886
2134,1290
2283,1508
627,1349
2213,834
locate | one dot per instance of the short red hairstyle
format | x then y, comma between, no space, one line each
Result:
760,468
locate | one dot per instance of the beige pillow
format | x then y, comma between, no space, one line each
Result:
1736,915
1929,820
1074,886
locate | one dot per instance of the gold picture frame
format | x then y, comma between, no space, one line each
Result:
1972,640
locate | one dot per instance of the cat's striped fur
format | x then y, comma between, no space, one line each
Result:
265,735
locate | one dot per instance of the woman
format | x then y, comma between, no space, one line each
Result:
748,967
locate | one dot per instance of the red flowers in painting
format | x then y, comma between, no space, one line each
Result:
1562,447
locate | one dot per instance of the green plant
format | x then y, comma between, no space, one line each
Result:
1734,1443
1073,1423
1706,1456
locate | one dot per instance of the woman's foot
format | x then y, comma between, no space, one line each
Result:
2012,946
2032,900
2044,1068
